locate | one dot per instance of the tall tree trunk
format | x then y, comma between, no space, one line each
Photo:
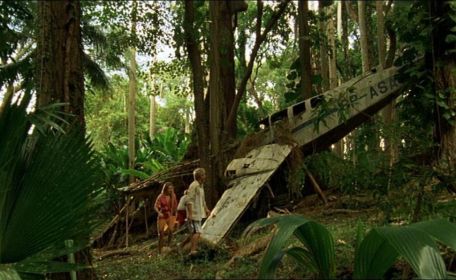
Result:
347,14
221,90
304,50
388,112
59,48
132,91
344,42
380,33
152,116
363,36
339,19
201,114
333,54
324,68
444,65
364,55
333,81
59,76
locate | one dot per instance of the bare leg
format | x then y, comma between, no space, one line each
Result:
171,225
170,238
161,234
194,242
160,242
186,240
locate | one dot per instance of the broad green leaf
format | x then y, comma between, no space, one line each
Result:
302,258
374,257
441,229
316,240
417,248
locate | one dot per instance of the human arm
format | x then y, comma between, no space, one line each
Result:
206,209
191,195
208,212
173,204
189,211
156,206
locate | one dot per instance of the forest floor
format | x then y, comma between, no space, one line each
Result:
239,257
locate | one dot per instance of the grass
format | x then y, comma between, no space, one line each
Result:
144,263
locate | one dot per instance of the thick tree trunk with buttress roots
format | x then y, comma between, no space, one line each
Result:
59,55
60,77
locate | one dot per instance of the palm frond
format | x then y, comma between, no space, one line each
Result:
96,75
51,187
50,116
11,71
9,273
93,35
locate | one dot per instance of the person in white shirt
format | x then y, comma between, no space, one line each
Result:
196,207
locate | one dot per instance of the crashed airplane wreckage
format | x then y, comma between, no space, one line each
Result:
313,127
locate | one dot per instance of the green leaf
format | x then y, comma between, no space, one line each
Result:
450,38
373,257
316,240
302,258
51,190
8,273
360,231
136,173
441,229
382,246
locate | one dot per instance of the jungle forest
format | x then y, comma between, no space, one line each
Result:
227,139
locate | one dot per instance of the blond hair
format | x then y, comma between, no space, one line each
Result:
166,185
197,173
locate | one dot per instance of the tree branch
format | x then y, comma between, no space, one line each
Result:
258,41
